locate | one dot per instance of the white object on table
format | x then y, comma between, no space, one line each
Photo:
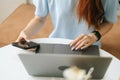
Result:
11,67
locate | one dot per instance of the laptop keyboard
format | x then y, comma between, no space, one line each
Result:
66,49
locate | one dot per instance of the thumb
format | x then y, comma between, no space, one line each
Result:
23,36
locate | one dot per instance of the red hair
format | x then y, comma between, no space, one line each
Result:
92,11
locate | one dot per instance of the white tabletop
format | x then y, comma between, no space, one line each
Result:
11,67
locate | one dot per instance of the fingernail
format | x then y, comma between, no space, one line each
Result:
76,48
72,48
81,48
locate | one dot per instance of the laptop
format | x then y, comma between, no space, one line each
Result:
66,49
47,64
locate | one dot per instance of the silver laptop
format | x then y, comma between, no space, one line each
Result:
52,65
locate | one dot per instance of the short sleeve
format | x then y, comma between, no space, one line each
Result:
41,7
111,7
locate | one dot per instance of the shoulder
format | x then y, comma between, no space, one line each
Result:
110,5
110,8
109,2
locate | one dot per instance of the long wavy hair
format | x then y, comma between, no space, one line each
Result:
92,11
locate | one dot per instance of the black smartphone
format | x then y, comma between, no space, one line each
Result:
27,45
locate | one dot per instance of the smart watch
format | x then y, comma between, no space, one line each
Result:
97,34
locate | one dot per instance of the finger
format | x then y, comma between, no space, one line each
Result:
27,39
84,39
78,43
24,36
85,46
77,39
81,45
21,38
18,39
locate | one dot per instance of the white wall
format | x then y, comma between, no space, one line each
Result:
7,7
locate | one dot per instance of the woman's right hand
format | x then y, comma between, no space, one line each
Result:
32,28
22,36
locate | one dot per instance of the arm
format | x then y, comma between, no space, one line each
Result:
33,27
105,28
84,41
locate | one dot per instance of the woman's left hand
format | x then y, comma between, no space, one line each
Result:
83,41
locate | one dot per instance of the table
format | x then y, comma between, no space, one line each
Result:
11,67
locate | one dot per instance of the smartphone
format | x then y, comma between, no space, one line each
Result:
27,45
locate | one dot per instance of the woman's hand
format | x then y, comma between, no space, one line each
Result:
32,28
22,36
83,41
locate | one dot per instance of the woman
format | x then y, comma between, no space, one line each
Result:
84,21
